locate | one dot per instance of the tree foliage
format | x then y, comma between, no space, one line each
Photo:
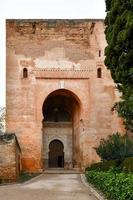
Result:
2,119
119,53
115,147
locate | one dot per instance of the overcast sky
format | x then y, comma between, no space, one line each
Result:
45,9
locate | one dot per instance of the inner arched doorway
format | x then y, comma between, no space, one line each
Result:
61,123
56,154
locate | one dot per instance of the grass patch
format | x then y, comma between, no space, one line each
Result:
25,176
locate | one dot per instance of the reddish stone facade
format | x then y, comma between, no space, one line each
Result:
58,88
10,158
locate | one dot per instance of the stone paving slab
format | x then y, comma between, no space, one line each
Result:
48,187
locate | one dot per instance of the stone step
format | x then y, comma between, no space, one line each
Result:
62,171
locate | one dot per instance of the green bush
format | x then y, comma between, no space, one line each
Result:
25,176
115,147
115,186
104,166
127,164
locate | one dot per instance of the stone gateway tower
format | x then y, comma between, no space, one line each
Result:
59,92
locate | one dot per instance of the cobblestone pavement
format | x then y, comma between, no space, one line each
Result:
48,187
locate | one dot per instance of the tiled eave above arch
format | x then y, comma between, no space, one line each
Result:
57,73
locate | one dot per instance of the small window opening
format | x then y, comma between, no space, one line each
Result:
99,53
34,28
25,73
99,73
